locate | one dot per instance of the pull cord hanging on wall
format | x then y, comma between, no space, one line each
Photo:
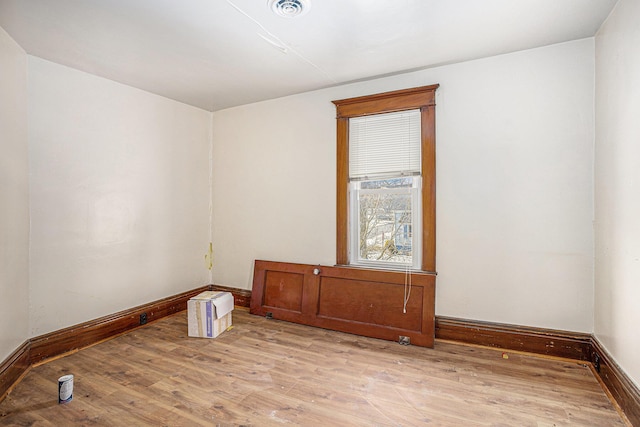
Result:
407,289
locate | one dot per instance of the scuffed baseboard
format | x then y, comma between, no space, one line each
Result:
555,343
38,349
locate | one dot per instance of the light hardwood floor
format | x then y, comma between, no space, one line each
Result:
266,372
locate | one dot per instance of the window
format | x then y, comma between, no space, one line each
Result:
384,188
386,179
383,214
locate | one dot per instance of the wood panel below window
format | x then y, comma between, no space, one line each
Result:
359,301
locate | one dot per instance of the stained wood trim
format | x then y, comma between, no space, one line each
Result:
623,390
342,195
91,332
549,342
38,349
387,102
577,346
406,99
359,301
13,368
429,188
466,386
241,297
570,345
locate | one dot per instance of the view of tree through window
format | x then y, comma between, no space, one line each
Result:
385,220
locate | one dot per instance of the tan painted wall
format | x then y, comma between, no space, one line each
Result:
514,184
119,196
14,197
617,186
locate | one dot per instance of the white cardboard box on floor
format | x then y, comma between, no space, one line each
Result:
209,313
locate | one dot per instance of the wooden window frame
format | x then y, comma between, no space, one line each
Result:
422,98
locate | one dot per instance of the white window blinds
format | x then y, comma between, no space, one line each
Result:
384,145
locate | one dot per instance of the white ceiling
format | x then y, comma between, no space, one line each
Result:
215,54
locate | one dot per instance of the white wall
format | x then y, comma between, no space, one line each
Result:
14,197
617,186
119,196
514,184
273,185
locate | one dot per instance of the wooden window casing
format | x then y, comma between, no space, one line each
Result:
422,98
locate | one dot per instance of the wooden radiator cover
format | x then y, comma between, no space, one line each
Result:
359,301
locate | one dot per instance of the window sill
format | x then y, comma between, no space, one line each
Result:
400,269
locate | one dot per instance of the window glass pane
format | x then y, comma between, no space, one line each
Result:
404,182
385,221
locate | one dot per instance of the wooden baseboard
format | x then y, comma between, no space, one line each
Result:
360,301
549,342
43,347
623,390
241,297
13,368
88,333
38,349
569,345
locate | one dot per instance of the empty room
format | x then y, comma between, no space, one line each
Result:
319,212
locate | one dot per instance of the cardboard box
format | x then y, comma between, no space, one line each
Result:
209,314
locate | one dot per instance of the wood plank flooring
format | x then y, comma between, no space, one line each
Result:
266,372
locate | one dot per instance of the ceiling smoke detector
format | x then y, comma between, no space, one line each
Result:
289,8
